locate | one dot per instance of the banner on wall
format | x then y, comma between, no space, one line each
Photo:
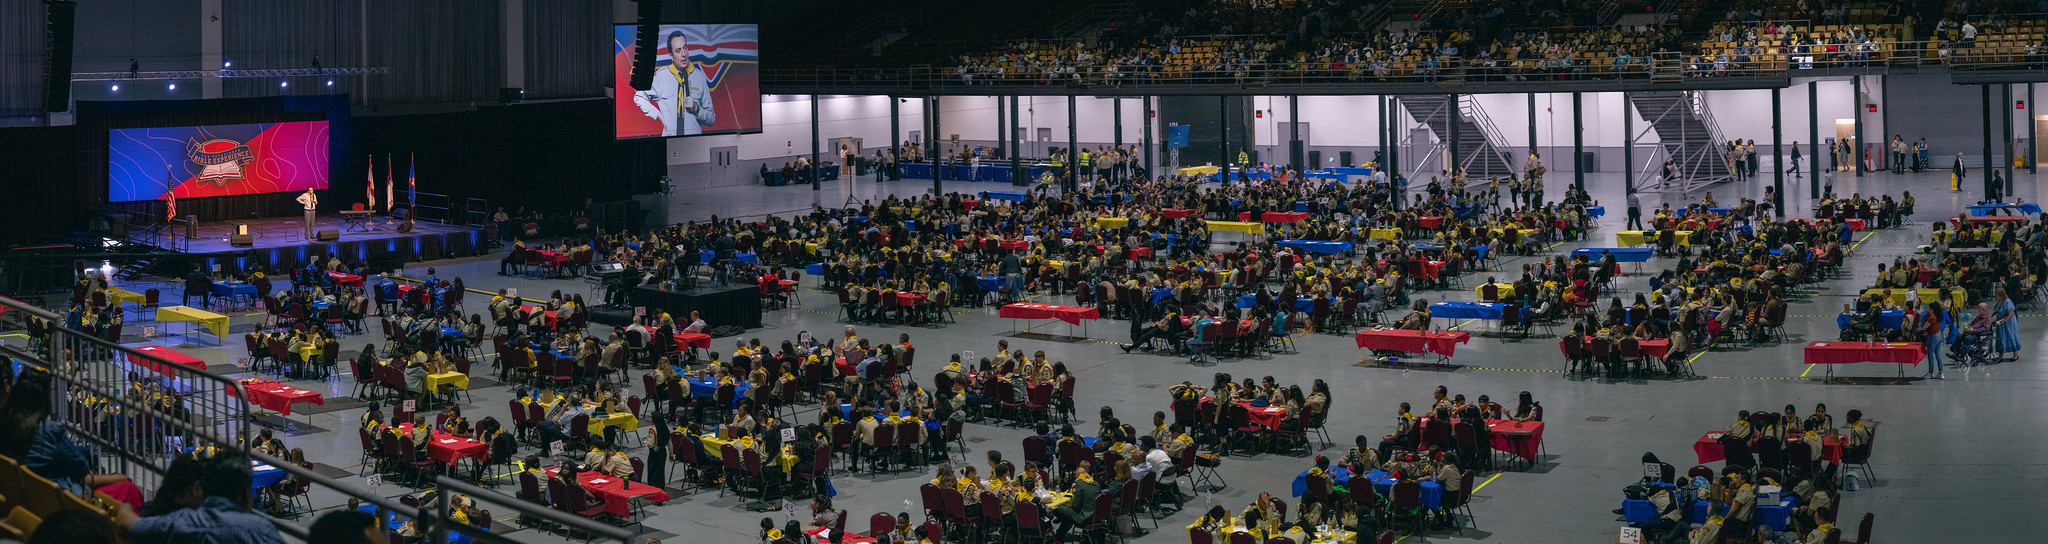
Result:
706,81
216,160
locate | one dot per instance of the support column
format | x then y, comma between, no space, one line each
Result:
2033,132
1856,93
1532,124
895,136
1386,143
1016,143
1073,148
2006,89
1147,139
1394,140
1116,110
938,166
1778,151
1452,117
1002,135
1223,144
1297,154
817,184
1578,140
1813,141
1628,146
1989,159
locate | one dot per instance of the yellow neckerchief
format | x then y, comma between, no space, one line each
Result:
1315,471
892,420
833,420
953,366
1183,438
745,442
681,76
774,534
726,380
1824,528
1084,477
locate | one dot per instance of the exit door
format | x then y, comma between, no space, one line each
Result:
1044,142
723,172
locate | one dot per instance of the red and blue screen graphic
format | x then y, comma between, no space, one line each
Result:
216,160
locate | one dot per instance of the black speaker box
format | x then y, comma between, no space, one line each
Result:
329,235
648,39
57,24
241,240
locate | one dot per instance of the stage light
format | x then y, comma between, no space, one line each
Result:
284,84
115,87
330,83
224,64
173,86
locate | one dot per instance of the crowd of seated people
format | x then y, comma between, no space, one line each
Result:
1763,448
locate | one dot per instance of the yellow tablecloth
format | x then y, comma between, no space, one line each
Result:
1386,234
1337,536
116,296
1112,222
1061,265
1234,226
307,351
1526,233
715,446
212,321
1198,170
1507,290
461,381
811,247
1957,296
1629,238
625,422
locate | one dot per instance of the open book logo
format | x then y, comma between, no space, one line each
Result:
219,159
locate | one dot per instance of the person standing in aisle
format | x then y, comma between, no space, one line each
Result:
1956,174
1635,213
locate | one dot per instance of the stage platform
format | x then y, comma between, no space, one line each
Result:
278,244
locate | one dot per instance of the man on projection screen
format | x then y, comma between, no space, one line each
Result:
680,87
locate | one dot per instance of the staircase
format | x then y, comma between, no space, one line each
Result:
134,268
1479,151
1690,139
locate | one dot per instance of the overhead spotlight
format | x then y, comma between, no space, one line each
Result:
227,64
330,83
284,84
115,87
173,86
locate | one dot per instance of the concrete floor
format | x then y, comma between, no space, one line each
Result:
1942,478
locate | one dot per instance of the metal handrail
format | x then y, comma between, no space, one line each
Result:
1469,106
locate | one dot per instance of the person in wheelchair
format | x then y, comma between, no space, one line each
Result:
1974,344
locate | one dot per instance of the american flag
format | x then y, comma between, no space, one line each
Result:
171,200
370,182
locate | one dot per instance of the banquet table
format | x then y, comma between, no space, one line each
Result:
215,323
1660,348
1886,319
116,296
903,298
1596,211
1708,448
457,379
1522,439
448,448
1957,297
1017,245
551,320
988,283
1504,290
1013,196
1432,492
1161,294
624,421
845,538
166,361
1198,170
1430,221
1032,310
262,475
1113,222
1267,416
1993,208
704,390
1236,226
1274,217
1833,353
234,288
1467,310
1621,254
1385,234
1442,343
815,269
1998,218
617,497
1637,237
1175,213
340,278
277,396
1316,246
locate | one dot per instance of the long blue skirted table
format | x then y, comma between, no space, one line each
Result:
1596,211
1432,494
1013,196
1316,246
749,258
1886,319
704,390
1621,254
1466,310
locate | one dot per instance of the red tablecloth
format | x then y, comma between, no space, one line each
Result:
617,499
693,339
908,299
166,361
1430,221
1927,275
447,448
277,396
553,258
1999,218
1175,213
551,319
1835,353
848,538
1518,438
345,279
1029,310
1138,253
970,203
1014,244
1708,448
1855,224
1274,217
1407,341
846,368
1269,417
1653,348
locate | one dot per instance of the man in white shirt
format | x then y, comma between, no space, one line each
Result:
312,203
679,88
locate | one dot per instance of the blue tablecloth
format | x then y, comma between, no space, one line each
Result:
988,283
1316,246
918,170
1338,474
1160,294
1247,301
262,475
1776,515
1745,228
1478,252
1721,210
1324,175
1982,210
321,305
392,522
749,258
1596,211
1013,196
815,269
1466,310
232,289
1238,175
772,178
1774,251
451,332
1621,254
1642,511
1432,494
1887,319
1351,170
705,390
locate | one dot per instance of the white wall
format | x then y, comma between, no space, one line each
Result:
1746,114
786,128
973,118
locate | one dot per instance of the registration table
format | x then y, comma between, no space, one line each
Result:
1467,310
618,498
1442,343
1834,353
1073,315
1236,226
166,361
277,396
1636,237
215,323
